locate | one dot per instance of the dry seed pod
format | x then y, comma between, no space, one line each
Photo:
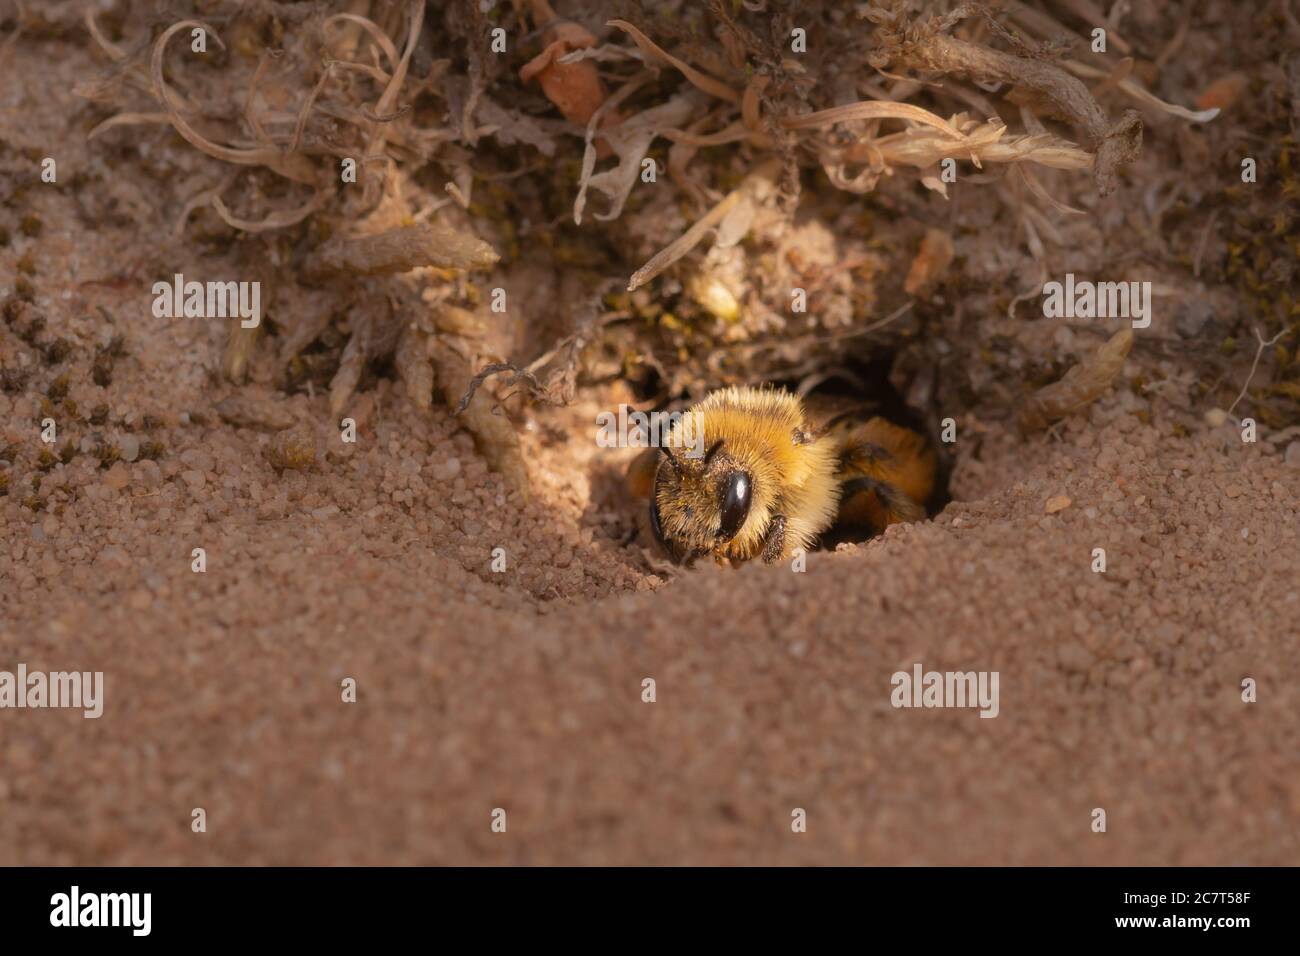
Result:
240,346
1081,385
457,321
401,250
245,411
414,367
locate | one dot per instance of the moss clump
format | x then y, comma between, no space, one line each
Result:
57,351
107,454
101,373
13,379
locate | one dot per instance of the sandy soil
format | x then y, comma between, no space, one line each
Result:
522,690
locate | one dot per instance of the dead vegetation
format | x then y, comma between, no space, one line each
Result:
649,183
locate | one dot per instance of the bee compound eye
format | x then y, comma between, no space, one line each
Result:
655,527
735,504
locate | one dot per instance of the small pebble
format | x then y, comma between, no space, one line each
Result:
117,477
446,469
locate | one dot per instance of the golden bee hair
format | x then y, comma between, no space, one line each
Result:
760,446
769,473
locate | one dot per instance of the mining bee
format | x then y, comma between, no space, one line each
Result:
772,479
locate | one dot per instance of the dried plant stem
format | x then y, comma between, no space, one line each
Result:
1116,144
295,167
1254,366
710,220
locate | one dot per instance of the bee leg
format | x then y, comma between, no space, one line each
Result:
774,546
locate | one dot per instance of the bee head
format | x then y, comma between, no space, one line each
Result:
699,504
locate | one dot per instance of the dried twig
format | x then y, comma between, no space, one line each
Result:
930,49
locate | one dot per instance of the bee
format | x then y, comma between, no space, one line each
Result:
772,480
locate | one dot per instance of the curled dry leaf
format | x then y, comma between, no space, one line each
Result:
1081,385
631,141
575,87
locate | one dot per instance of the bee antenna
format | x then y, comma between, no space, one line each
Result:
713,450
671,460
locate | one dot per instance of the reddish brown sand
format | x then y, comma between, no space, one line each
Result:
522,690
1118,690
